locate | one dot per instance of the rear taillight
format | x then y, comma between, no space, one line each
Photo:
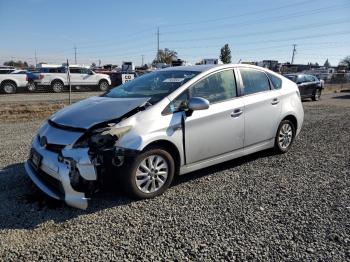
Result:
26,78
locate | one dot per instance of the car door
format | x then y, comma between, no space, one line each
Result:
303,86
87,77
262,107
312,85
220,128
75,77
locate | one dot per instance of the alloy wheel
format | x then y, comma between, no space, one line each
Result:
152,173
9,88
285,136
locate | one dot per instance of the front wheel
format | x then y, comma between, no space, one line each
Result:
316,95
57,86
103,85
149,174
284,137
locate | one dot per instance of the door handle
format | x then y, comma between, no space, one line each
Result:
275,101
236,113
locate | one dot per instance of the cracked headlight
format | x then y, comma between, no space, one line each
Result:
103,137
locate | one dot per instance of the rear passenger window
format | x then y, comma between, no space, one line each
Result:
275,80
216,87
254,81
74,70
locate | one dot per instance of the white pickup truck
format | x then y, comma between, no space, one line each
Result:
9,83
57,78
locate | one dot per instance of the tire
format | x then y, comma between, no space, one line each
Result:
284,137
141,184
31,87
316,95
57,86
103,85
9,87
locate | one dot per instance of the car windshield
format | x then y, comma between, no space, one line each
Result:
155,85
292,77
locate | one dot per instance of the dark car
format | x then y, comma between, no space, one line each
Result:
309,86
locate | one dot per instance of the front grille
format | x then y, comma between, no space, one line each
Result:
52,183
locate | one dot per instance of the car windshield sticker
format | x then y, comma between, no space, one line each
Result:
173,80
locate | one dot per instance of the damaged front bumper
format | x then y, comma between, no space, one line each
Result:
52,172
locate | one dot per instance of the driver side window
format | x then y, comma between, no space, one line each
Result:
217,87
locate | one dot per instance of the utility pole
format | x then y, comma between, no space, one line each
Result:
294,52
36,59
142,56
75,54
158,44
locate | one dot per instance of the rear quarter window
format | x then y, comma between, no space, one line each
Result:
275,80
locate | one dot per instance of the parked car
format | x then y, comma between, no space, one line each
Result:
166,123
309,86
117,78
6,69
10,83
31,86
57,78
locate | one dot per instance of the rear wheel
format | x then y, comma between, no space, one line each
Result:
31,86
103,85
316,95
57,86
9,87
149,174
284,137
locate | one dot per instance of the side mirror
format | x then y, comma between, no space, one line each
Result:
198,103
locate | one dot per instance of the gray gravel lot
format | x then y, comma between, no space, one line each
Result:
294,206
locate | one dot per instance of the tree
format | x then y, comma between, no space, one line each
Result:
346,62
165,56
327,64
93,65
18,63
225,54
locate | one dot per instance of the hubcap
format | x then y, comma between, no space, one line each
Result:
152,173
8,88
103,86
31,87
285,136
57,87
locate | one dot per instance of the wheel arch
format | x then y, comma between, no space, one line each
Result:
57,80
169,147
293,119
9,81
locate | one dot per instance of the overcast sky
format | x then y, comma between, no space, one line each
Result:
115,31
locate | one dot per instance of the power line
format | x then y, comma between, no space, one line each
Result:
269,19
239,15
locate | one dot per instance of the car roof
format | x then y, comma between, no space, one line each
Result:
203,68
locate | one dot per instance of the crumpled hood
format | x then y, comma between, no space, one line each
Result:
94,110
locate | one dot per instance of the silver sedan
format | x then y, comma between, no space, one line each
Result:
162,124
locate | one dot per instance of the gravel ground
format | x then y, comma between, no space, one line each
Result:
293,207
